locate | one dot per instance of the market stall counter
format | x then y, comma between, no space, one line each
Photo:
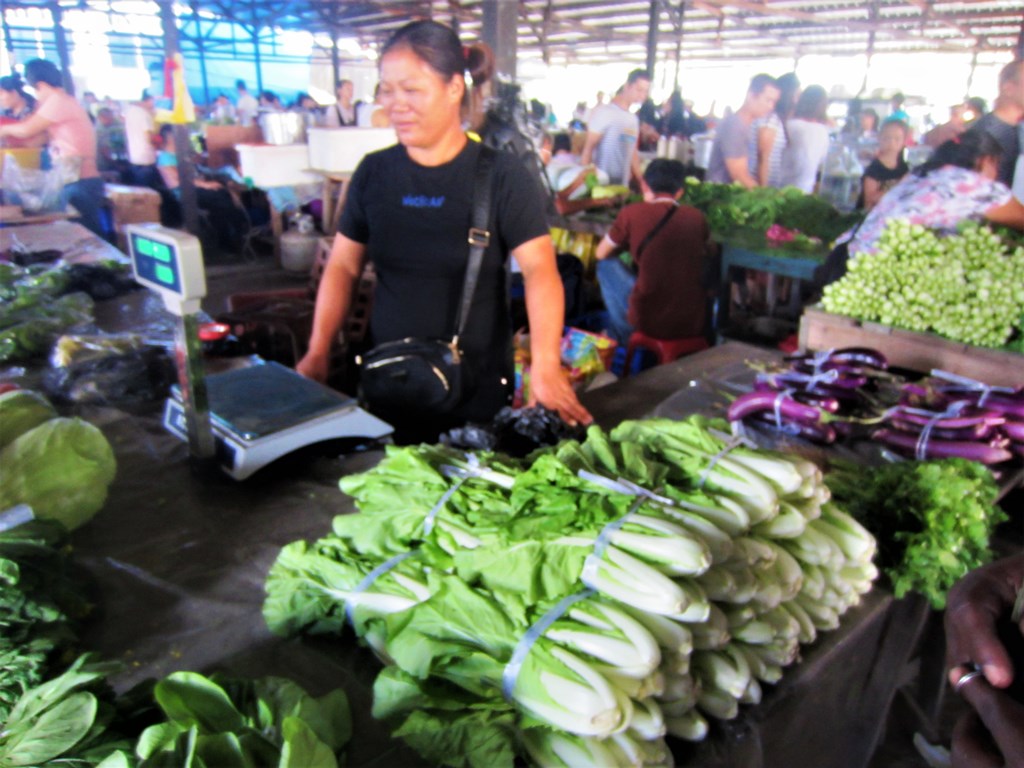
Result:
179,557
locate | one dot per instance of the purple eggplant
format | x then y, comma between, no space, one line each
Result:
967,416
826,403
984,453
799,380
1014,430
974,432
844,356
816,433
788,408
1010,404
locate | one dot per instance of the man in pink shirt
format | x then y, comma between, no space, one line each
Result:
72,142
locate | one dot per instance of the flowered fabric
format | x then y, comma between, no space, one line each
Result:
940,200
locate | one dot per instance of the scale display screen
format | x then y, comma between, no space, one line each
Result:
156,262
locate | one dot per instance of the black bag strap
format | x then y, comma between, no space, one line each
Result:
479,234
657,228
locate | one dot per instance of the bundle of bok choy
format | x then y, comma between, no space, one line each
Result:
583,603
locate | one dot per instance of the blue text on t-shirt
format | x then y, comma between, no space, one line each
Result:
422,201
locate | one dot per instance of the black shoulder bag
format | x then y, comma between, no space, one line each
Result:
650,235
431,374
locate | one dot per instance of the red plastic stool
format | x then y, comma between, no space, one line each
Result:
666,350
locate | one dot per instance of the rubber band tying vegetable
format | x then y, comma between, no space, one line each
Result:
921,449
463,474
368,580
730,446
515,663
974,384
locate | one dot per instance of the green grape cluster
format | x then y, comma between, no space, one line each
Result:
968,287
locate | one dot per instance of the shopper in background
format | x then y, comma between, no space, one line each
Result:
140,135
769,136
270,102
223,112
650,120
666,297
730,153
1001,123
72,140
807,142
246,105
343,113
867,124
987,597
896,109
225,215
887,168
407,212
15,103
370,114
957,183
111,145
613,132
948,130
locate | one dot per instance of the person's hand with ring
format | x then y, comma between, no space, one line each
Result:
992,735
974,606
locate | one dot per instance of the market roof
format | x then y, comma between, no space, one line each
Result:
599,31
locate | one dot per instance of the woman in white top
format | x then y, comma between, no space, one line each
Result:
808,140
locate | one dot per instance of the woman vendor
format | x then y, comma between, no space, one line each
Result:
408,211
957,183
72,141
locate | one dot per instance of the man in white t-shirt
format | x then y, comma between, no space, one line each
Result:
139,131
612,133
246,106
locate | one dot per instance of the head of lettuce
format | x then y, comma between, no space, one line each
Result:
61,468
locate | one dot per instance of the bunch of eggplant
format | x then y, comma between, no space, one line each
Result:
951,416
813,396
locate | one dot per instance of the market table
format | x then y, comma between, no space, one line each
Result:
77,245
178,559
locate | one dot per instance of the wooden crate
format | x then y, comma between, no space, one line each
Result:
914,351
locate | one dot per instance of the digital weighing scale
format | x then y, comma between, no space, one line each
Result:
247,417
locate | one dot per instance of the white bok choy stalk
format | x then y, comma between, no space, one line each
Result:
609,635
691,726
564,691
670,635
551,749
718,541
670,548
629,580
647,721
727,515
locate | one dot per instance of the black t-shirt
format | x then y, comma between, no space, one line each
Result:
414,221
1006,136
885,176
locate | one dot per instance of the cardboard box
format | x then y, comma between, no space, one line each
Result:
133,205
908,349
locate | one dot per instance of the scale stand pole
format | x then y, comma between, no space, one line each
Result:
188,350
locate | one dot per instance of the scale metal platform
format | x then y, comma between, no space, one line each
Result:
265,411
247,417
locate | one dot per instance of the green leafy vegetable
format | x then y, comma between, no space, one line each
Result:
61,469
934,519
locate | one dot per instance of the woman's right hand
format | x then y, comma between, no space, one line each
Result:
974,607
992,734
314,366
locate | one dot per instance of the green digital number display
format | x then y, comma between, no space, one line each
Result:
155,262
